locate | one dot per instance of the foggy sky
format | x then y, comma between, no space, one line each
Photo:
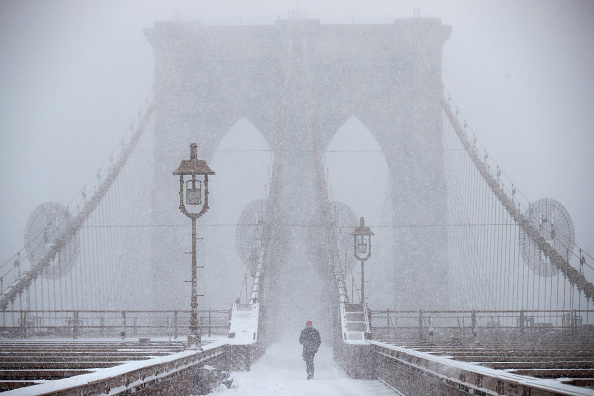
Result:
73,75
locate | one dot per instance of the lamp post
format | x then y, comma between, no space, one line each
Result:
362,238
193,186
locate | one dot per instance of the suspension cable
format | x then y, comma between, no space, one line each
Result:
574,277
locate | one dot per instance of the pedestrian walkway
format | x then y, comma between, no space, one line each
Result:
281,372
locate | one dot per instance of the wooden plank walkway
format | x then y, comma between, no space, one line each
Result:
28,362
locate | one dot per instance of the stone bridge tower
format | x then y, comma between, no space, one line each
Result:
387,75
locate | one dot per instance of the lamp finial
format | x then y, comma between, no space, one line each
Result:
193,151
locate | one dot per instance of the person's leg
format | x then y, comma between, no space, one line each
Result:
310,366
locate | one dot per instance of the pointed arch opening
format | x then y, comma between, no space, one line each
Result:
243,164
358,176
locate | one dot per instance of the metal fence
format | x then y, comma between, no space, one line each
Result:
457,326
97,324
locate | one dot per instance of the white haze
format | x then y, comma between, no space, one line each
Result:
73,75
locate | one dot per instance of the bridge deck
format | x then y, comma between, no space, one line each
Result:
281,371
547,361
563,363
28,362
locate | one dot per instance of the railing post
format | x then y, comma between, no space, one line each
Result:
388,323
24,323
474,327
521,321
421,325
123,332
75,325
175,334
209,320
169,329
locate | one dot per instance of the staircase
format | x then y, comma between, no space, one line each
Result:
355,322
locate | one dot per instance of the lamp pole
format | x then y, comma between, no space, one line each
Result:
195,196
362,250
194,300
362,281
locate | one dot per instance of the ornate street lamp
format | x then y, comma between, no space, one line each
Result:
193,191
362,237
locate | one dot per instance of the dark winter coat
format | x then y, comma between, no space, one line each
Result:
310,339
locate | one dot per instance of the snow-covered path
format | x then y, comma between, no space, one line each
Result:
281,372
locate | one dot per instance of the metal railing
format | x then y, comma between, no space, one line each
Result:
97,324
460,325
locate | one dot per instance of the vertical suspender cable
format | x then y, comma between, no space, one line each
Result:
35,287
551,297
59,281
480,235
461,225
112,227
557,291
73,285
508,262
564,291
101,263
485,241
516,259
471,228
473,232
526,283
41,292
95,261
82,271
500,257
492,241
107,254
118,219
493,246
53,285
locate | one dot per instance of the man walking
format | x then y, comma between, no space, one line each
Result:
310,339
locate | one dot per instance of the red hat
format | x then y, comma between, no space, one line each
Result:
308,323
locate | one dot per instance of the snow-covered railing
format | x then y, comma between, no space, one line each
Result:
343,296
416,372
243,329
352,350
354,323
256,286
128,377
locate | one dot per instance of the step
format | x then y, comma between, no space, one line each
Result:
356,326
355,317
354,336
353,307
